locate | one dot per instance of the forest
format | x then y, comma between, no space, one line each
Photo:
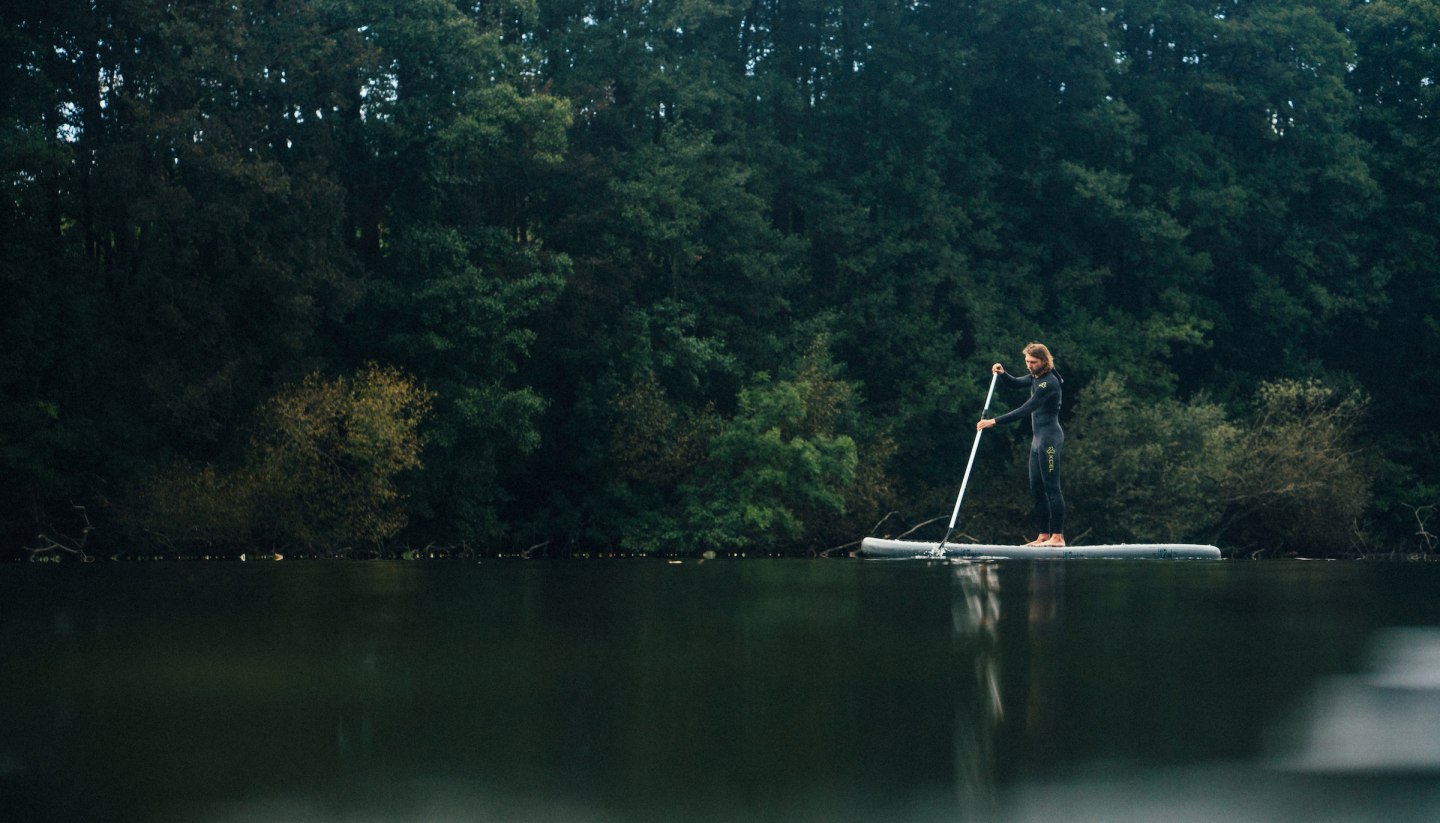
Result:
559,277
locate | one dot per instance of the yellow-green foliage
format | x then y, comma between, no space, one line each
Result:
1144,471
654,441
185,502
1295,480
1286,479
319,472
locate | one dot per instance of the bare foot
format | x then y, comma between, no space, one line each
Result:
1039,541
1055,540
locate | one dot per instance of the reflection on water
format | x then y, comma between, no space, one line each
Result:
1384,720
763,690
1362,747
975,617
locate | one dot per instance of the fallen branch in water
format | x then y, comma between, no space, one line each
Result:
918,525
826,553
1422,521
70,545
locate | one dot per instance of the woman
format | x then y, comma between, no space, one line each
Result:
1044,410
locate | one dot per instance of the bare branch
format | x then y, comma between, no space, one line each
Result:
918,525
882,520
1422,521
65,543
826,553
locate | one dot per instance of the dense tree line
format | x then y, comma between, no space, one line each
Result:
712,274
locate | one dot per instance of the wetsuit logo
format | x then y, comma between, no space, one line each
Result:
1043,385
1050,456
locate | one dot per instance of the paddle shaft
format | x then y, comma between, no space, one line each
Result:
969,464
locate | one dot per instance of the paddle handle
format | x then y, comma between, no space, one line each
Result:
969,464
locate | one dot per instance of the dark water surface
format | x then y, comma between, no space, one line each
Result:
772,690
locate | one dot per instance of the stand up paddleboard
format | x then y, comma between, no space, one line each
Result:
876,547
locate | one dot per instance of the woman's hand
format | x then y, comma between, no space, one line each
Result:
997,369
983,425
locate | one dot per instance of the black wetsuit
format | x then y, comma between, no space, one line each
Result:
1045,445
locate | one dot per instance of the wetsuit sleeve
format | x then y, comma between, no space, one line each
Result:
1018,381
1043,390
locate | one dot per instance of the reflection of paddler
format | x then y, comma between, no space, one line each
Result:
978,715
1045,674
1046,442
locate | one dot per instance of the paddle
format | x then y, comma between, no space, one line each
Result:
940,549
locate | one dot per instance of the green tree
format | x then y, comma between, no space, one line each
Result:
765,475
454,134
679,274
1245,117
783,471
1394,83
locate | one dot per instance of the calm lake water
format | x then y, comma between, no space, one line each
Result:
767,690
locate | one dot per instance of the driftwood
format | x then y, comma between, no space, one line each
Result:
65,543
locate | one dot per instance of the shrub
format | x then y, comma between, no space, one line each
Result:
771,467
1287,480
1145,471
319,472
1294,481
777,475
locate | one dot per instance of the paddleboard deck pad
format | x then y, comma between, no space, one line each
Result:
876,547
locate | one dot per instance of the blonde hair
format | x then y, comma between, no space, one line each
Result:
1041,353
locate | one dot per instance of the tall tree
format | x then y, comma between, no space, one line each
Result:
455,135
176,242
1245,115
1396,83
451,146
